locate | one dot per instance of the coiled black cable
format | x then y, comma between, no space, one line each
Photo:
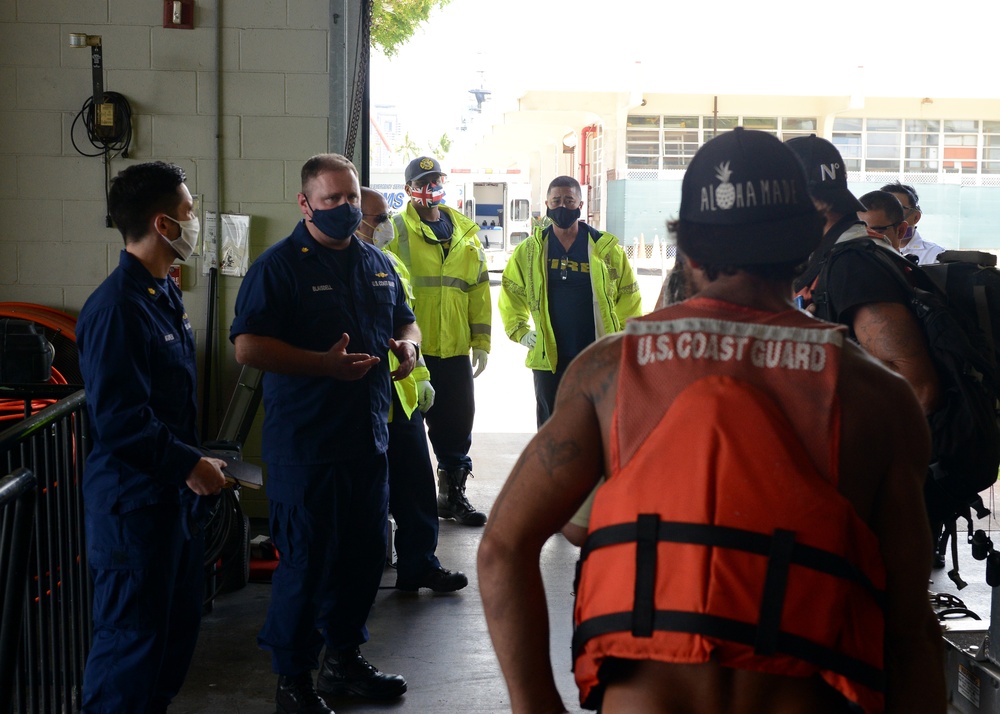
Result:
110,143
116,142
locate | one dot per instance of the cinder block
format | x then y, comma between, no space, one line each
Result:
257,93
130,12
83,221
122,47
183,49
284,138
260,13
283,50
307,95
271,222
58,88
39,132
27,221
253,180
45,177
31,45
308,14
8,264
77,12
183,135
47,295
157,92
63,264
8,177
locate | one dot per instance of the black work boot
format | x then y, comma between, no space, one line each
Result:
347,672
296,695
437,579
452,502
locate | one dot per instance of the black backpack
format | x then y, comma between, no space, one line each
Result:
971,282
964,429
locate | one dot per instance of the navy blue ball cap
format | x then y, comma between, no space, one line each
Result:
420,167
826,173
753,188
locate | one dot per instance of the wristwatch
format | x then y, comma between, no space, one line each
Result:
416,347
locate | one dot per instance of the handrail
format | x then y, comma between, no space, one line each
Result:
18,491
28,426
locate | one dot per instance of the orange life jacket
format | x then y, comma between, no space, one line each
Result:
720,534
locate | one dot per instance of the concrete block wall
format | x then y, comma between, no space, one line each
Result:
260,82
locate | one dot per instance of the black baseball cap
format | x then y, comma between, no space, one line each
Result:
420,167
826,172
752,189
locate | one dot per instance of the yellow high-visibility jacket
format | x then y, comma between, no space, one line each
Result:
451,292
406,388
524,293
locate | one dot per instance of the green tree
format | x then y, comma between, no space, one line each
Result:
395,21
408,149
440,149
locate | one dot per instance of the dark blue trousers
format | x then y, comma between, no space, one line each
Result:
449,421
412,494
149,584
546,386
328,523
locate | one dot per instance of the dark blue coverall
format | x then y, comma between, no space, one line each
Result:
145,544
324,440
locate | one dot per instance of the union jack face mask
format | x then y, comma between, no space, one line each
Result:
427,196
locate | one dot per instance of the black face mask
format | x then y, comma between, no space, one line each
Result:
562,216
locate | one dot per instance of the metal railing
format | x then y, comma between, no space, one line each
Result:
56,624
17,516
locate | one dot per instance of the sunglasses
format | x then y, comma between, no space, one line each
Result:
379,217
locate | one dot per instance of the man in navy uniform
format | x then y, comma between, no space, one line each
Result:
318,312
146,484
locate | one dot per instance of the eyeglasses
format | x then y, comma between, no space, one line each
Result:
564,267
910,209
439,179
883,229
379,217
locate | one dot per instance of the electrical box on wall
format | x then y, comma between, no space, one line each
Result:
175,273
178,14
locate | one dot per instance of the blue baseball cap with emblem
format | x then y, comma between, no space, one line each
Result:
422,166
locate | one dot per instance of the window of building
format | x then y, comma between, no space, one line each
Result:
991,147
961,143
922,151
791,127
847,137
681,139
883,144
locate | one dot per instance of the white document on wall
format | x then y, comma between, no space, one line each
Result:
235,244
210,243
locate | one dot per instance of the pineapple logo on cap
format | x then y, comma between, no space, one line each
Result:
747,194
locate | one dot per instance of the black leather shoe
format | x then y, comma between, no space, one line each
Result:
347,672
437,579
296,695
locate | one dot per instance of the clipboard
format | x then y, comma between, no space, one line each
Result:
236,470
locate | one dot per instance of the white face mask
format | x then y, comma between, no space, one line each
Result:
383,234
185,244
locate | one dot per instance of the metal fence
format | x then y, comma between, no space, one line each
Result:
56,623
17,516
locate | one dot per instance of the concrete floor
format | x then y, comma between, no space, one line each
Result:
439,643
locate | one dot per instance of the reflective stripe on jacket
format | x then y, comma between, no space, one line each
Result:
451,292
524,294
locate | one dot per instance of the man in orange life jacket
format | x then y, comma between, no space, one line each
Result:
753,549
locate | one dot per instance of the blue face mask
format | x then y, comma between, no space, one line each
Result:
337,223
